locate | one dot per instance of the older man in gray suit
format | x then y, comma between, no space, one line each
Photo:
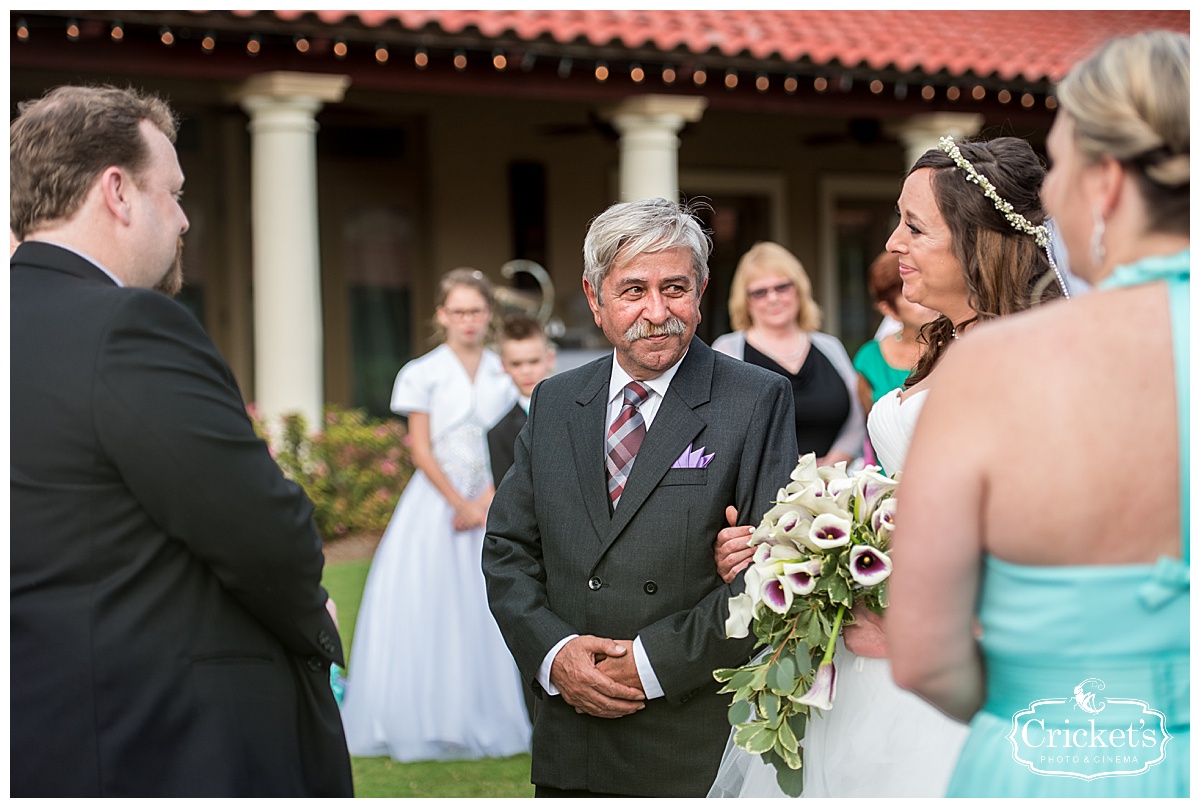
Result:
599,548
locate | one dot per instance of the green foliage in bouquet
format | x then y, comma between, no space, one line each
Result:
353,471
819,551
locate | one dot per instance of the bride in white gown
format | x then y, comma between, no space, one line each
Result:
901,747
879,740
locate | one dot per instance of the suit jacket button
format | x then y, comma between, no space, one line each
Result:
650,587
594,584
315,664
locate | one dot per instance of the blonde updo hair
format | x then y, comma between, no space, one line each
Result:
768,258
1130,101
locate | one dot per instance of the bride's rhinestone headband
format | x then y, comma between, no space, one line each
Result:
1040,232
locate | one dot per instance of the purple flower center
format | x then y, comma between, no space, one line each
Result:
867,561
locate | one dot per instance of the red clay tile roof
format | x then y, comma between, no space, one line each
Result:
1034,45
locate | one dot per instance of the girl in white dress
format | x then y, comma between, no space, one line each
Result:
962,258
430,677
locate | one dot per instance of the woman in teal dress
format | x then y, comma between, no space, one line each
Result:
1046,490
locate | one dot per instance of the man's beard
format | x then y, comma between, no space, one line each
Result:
172,281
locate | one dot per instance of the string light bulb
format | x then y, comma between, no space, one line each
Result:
209,43
1051,102
22,30
952,92
340,49
978,92
421,58
731,79
762,83
1027,100
791,84
302,44
927,92
499,60
636,74
460,60
254,44
166,37
601,71
876,87
820,84
699,76
117,32
564,67
668,74
1004,96
381,53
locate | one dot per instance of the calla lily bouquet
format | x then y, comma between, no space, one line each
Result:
821,550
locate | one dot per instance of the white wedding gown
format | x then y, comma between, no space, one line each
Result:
430,677
878,740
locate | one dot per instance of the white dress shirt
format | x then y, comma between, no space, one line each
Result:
89,259
616,399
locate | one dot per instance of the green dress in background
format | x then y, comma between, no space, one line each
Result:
1098,653
882,377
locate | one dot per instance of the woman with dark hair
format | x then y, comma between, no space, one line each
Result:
884,363
970,259
1047,489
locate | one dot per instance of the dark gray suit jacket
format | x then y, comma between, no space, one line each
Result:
557,563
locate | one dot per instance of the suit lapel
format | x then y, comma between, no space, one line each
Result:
586,429
675,425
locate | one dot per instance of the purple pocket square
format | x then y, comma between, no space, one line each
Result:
693,460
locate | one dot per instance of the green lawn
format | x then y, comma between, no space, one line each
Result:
383,777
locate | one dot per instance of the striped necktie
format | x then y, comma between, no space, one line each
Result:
624,439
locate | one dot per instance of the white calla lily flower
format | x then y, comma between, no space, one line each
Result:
741,612
824,688
829,531
802,577
806,469
868,566
871,488
883,521
777,596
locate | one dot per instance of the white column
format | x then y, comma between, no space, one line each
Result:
921,133
288,344
649,126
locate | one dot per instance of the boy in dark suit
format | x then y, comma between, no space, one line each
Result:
528,357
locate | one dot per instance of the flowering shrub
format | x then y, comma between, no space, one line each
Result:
353,471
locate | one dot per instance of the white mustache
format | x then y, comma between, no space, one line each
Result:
673,327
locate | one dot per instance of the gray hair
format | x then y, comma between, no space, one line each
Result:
649,225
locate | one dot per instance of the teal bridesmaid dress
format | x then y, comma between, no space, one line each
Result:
1087,667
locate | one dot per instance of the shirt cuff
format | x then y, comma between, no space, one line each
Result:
543,672
650,685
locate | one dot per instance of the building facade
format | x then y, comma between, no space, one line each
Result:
339,162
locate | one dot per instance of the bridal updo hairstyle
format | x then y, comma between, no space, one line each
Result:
1129,101
1005,269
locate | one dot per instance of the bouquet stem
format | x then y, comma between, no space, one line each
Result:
833,635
